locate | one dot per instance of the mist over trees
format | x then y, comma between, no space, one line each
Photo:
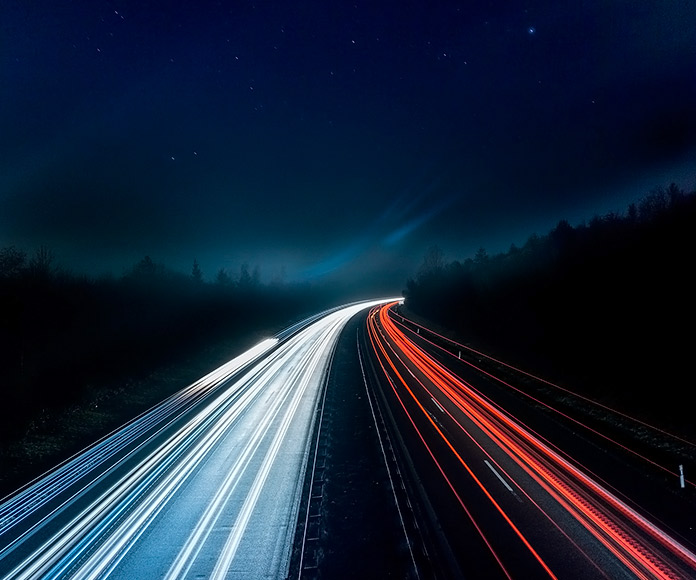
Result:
606,305
61,334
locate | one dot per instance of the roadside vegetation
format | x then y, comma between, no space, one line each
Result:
79,357
607,307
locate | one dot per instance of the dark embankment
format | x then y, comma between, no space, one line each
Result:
79,357
605,307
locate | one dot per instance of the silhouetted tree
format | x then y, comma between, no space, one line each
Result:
41,263
654,204
147,270
62,335
12,262
675,194
249,280
621,280
244,276
632,213
144,268
196,272
433,262
481,257
223,278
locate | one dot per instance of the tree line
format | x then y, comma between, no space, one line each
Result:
61,333
607,305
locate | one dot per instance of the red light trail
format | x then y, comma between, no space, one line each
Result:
426,390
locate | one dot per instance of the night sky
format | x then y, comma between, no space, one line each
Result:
324,138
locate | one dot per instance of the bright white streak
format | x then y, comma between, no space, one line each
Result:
102,534
45,488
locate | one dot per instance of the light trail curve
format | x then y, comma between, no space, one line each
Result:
207,484
565,510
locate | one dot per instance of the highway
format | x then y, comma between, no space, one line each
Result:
502,499
205,485
434,466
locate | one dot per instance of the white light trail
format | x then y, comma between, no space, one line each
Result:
206,484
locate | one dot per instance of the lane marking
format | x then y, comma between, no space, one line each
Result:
438,404
505,483
409,542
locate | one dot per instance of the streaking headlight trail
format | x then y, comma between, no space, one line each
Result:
206,484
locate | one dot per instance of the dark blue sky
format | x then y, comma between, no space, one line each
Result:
332,138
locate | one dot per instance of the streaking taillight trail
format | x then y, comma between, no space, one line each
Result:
644,549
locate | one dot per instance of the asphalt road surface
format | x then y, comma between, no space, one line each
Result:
353,446
206,485
503,499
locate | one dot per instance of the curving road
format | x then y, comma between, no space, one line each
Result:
205,485
509,502
472,482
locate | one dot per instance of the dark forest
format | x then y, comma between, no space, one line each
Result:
78,357
606,307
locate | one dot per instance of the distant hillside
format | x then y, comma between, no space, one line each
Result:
62,335
607,306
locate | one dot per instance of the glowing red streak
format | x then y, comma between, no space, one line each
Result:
439,467
468,469
588,502
549,383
